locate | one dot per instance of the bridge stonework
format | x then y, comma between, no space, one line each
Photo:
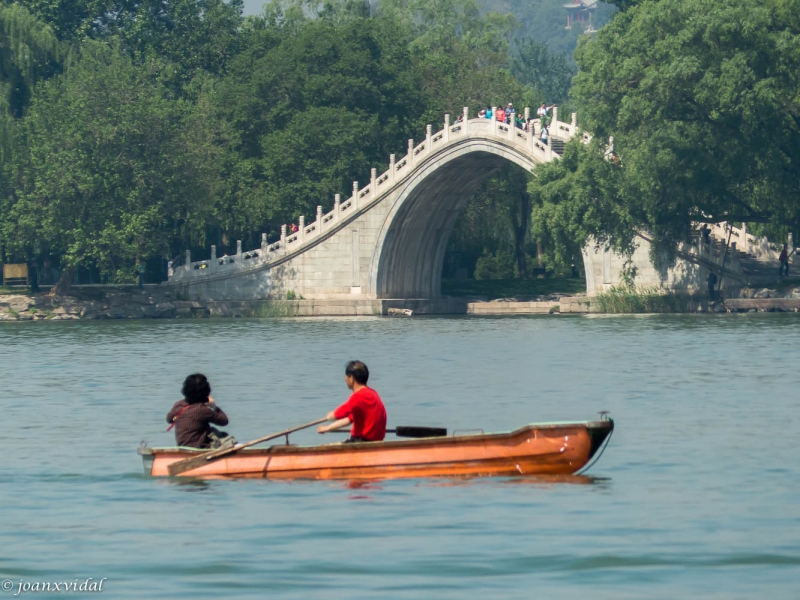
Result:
388,240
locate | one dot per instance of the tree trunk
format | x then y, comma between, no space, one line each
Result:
64,283
522,263
520,224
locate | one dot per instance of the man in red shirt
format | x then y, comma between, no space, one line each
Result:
364,409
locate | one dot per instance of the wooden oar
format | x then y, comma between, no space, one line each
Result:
197,461
409,431
412,431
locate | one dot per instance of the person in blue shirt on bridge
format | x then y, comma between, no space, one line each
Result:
488,114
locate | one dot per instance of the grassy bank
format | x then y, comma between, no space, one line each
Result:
271,310
623,300
508,288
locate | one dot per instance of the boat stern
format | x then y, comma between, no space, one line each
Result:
147,457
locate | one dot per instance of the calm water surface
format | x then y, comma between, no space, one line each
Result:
696,496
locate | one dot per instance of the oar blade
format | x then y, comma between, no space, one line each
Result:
411,431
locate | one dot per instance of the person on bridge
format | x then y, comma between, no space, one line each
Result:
364,409
511,113
192,416
541,112
501,114
784,258
545,134
488,112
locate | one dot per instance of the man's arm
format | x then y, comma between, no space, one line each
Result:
335,425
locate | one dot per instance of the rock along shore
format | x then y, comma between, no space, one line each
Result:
156,303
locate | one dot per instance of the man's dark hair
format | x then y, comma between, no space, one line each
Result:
196,389
358,371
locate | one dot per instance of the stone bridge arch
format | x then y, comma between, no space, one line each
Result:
410,247
387,240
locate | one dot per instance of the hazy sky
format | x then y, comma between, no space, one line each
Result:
253,7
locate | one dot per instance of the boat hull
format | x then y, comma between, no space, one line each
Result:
548,449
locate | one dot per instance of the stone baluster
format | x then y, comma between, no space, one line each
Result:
574,122
263,244
410,155
283,238
554,124
373,182
744,236
528,127
301,232
391,168
494,120
188,265
213,261
354,206
447,128
319,219
464,126
531,136
428,131
238,251
337,200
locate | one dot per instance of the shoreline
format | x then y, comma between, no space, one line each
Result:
126,304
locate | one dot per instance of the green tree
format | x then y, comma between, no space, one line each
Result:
115,171
548,73
576,199
29,52
70,20
314,105
702,101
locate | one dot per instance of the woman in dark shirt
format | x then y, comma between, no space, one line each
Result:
192,416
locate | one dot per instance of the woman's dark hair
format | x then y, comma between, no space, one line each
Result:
196,389
358,371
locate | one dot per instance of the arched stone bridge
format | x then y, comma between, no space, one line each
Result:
387,240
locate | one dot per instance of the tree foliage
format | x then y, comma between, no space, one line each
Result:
702,102
114,168
138,128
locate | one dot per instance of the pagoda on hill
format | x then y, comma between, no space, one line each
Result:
581,11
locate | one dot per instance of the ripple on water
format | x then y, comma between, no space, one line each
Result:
695,497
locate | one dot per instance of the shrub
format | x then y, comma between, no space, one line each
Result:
499,265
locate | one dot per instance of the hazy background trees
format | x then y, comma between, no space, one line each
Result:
134,129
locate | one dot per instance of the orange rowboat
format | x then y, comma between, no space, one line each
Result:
537,449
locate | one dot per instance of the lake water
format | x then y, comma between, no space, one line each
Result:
695,497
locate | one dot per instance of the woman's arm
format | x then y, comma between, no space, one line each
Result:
218,417
173,411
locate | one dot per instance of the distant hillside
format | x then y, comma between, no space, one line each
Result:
253,7
545,21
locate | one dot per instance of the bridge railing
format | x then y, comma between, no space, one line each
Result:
758,247
398,170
